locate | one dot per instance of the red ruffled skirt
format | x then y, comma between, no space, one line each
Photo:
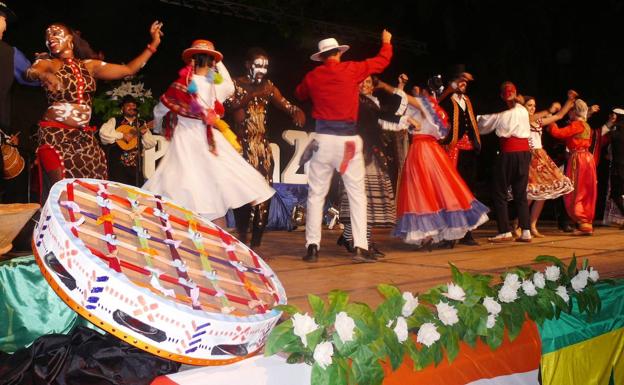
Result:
433,200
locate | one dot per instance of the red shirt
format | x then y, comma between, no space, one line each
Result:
577,135
333,86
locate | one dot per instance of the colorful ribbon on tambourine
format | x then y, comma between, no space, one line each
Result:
112,206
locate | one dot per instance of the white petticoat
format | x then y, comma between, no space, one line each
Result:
208,184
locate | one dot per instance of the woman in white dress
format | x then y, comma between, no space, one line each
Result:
202,169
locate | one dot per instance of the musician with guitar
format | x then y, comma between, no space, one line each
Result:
125,150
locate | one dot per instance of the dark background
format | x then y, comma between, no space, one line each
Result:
544,47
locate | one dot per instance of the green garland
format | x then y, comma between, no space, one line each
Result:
345,342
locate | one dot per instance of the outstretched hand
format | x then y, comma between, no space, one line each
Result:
386,36
156,33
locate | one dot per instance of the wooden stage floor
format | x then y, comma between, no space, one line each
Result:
417,271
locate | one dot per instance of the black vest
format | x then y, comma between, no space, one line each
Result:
464,124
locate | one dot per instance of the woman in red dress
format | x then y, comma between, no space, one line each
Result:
581,169
434,204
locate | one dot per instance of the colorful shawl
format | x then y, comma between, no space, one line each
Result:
181,99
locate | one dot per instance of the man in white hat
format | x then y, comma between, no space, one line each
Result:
333,89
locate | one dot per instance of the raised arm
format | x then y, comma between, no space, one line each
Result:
491,122
108,71
567,131
378,63
225,89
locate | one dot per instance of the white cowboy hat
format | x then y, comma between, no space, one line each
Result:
618,111
327,45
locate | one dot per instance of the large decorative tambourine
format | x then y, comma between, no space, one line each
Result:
154,274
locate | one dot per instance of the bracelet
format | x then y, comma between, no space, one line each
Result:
151,49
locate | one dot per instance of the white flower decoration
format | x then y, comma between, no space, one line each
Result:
411,303
593,274
455,292
303,324
492,306
563,293
539,280
529,288
400,329
580,280
427,334
323,353
491,321
345,326
508,294
447,313
512,280
552,273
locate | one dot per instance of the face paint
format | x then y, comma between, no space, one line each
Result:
259,68
56,39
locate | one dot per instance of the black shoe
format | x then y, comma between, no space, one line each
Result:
342,241
375,251
363,256
312,255
445,244
468,240
566,228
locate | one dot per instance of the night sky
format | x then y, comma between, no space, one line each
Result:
544,47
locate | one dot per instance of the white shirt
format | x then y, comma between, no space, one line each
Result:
108,135
513,122
460,100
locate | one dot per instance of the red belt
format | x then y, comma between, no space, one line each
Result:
49,123
514,144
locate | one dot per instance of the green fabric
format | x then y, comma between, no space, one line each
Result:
573,328
29,308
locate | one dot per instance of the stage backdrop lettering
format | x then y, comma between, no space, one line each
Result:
299,139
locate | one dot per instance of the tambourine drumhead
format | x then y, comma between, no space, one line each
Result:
155,274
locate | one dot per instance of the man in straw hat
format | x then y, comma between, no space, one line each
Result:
333,90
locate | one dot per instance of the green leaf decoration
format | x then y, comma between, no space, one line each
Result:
318,308
358,362
549,258
288,309
280,336
388,291
338,300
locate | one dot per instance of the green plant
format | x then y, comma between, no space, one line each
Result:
106,104
345,342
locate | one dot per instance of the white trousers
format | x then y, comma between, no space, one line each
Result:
325,160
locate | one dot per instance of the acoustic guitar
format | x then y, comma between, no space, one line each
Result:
127,129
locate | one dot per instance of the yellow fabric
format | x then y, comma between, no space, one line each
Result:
589,362
223,127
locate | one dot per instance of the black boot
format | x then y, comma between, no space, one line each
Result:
348,245
312,254
375,251
363,256
468,240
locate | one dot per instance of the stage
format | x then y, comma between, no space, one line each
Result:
417,271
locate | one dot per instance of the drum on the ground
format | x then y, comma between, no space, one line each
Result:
154,274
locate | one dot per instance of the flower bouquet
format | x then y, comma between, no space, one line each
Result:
345,342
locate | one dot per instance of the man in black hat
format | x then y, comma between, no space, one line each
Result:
124,149
463,140
13,63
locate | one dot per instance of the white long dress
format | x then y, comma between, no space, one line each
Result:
194,177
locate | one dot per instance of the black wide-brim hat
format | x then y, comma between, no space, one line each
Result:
9,15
